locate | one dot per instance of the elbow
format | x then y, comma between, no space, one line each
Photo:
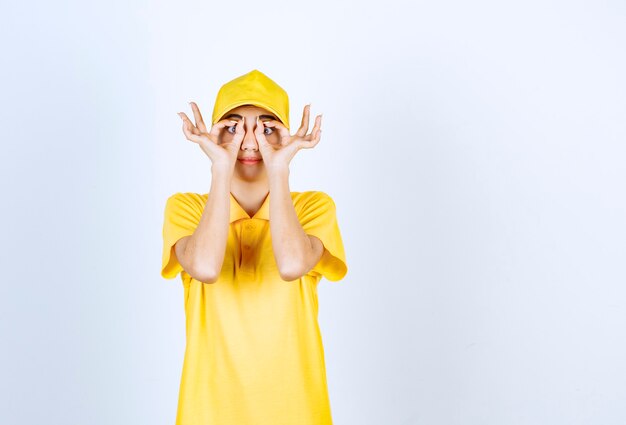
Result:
289,277
207,279
204,275
288,274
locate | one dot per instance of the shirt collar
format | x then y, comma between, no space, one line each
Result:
238,213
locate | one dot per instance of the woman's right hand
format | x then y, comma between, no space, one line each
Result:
222,155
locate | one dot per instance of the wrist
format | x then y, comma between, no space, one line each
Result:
278,172
222,174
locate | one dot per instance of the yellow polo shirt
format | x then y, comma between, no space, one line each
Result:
254,353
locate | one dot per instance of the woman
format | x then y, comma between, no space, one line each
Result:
251,253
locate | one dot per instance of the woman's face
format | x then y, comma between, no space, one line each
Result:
249,146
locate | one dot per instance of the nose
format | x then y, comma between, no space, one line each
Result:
249,139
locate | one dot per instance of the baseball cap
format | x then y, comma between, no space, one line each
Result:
252,88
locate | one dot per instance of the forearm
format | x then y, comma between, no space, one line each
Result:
290,243
207,245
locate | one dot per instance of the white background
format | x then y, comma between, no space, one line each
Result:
475,152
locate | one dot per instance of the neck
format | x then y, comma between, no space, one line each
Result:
249,189
249,194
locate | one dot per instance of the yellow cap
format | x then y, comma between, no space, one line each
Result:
253,88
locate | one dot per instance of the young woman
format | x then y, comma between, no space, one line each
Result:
251,253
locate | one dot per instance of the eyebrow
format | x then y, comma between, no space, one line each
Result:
271,117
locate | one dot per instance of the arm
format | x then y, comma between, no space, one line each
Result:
296,252
202,254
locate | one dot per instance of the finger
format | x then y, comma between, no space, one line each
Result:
316,127
282,130
239,131
314,140
304,124
190,135
285,137
218,126
259,130
187,124
198,117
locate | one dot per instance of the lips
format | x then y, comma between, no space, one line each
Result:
249,161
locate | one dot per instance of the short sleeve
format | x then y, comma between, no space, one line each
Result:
318,218
182,215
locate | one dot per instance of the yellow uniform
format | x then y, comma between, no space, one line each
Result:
254,353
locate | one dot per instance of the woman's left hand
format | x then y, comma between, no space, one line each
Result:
278,157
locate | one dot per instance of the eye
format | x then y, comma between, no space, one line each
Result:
271,130
232,127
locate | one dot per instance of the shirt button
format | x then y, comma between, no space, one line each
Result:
249,226
246,246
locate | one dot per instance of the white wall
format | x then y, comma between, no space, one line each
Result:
475,152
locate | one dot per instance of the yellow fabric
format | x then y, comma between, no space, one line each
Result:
254,353
253,88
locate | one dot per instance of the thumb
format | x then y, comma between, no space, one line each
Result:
260,135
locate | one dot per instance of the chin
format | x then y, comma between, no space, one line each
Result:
247,172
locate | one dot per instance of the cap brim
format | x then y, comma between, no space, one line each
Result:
251,102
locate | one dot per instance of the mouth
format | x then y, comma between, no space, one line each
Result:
249,161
